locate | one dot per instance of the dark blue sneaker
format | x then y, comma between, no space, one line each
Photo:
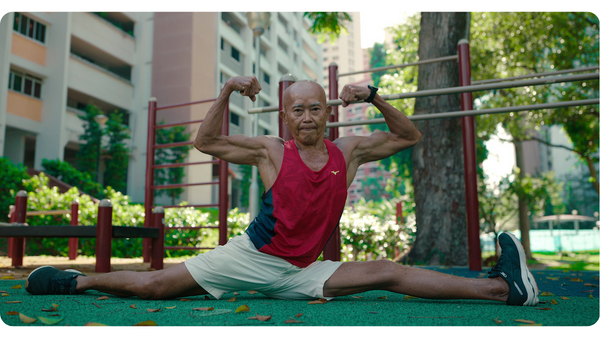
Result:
512,267
48,280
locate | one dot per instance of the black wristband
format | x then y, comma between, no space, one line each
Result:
373,92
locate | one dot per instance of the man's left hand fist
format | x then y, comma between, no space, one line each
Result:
352,93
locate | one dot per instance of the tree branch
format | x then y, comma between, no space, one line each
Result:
532,138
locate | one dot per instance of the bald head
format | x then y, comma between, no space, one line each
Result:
303,88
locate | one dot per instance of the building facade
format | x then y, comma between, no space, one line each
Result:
54,64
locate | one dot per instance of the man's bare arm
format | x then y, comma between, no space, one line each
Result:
238,149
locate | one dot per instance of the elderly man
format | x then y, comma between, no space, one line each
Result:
306,181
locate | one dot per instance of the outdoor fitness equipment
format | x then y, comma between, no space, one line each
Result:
332,250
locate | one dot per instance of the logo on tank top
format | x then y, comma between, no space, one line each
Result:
335,172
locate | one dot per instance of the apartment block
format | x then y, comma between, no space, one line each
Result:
54,64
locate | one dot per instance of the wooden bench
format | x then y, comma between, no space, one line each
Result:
104,232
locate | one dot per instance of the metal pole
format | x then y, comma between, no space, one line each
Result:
158,244
460,89
223,186
470,158
333,247
98,155
74,242
285,81
18,246
444,58
149,192
104,236
13,219
253,196
573,70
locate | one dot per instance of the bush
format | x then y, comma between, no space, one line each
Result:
11,181
66,173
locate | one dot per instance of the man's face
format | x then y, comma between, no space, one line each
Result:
305,112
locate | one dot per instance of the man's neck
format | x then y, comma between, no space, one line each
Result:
319,146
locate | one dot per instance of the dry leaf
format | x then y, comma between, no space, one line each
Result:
52,309
50,321
382,297
18,286
497,321
2,291
545,293
5,295
576,280
153,310
184,300
552,278
292,321
299,315
563,297
206,298
170,307
357,297
133,306
373,312
543,308
553,301
102,298
94,324
203,308
27,320
407,297
524,321
318,301
590,284
595,277
14,302
566,270
592,297
242,308
263,318
252,292
98,306
146,323
588,291
8,277
231,300
236,293
12,313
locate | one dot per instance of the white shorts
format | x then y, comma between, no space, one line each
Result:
239,266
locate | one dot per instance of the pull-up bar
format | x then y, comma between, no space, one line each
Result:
377,69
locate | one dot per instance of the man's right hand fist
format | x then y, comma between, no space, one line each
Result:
246,85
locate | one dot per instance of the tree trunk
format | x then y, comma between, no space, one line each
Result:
438,159
523,207
593,173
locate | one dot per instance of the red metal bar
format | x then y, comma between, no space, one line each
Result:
173,145
186,104
149,192
185,248
172,186
18,247
74,242
104,236
224,180
191,205
399,218
285,81
13,218
158,244
192,228
470,158
175,165
332,250
160,126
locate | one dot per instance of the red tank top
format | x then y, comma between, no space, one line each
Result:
302,209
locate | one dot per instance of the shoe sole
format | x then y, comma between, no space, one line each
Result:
526,275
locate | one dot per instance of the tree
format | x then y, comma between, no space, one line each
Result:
377,60
170,155
115,175
87,157
327,24
438,175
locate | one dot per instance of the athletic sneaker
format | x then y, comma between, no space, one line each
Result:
512,267
47,280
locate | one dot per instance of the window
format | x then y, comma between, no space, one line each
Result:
222,44
234,119
266,78
29,27
26,84
235,53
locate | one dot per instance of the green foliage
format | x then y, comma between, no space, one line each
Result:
246,171
328,24
115,175
10,182
87,157
168,156
378,54
66,173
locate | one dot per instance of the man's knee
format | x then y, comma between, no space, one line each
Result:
151,287
385,270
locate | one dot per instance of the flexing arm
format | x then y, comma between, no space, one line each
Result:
238,149
380,144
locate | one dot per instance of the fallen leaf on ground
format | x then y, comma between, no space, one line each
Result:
407,297
291,321
299,315
576,280
567,277
203,308
27,320
553,301
357,297
98,306
54,315
382,297
590,284
133,306
18,286
184,300
94,324
588,291
12,313
2,291
14,302
146,323
50,321
52,309
566,270
542,302
236,293
552,278
545,293
524,321
563,297
592,297
252,292
263,318
153,310
373,312
170,307
102,298
8,277
543,308
595,277
5,295
497,321
231,300
318,301
242,308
